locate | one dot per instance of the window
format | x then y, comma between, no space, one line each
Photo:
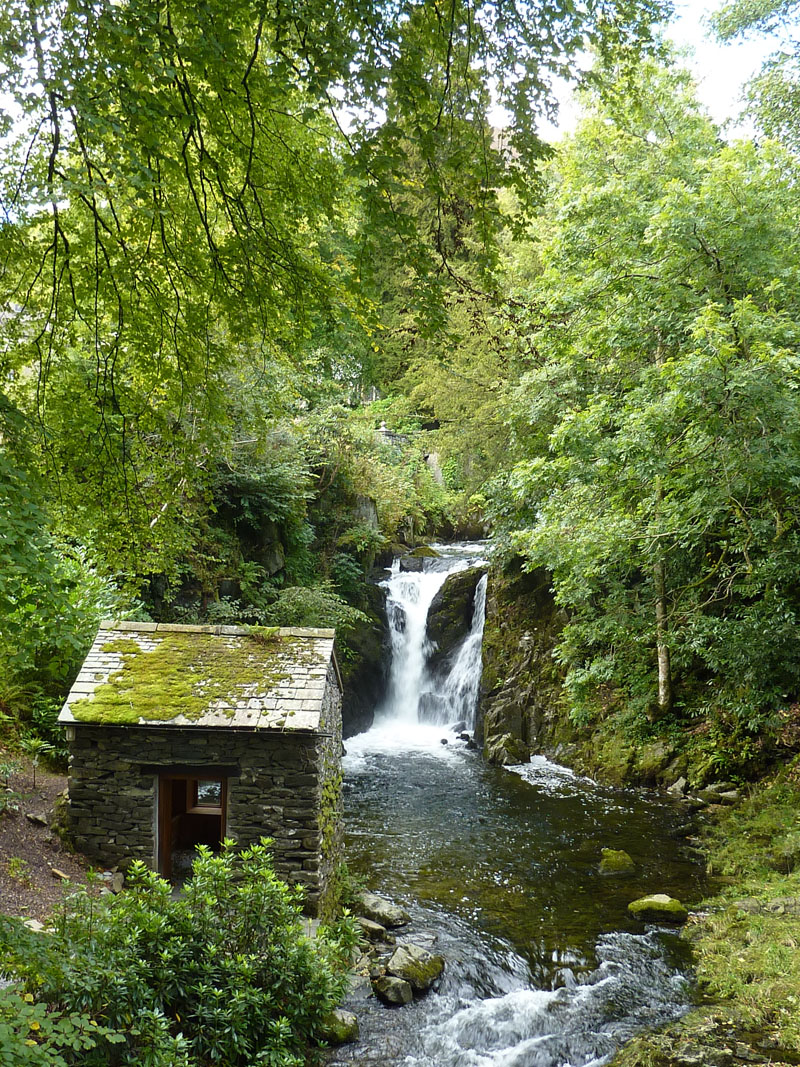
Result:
204,795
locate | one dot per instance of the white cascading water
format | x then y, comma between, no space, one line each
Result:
458,695
454,697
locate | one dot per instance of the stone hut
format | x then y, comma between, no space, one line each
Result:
187,735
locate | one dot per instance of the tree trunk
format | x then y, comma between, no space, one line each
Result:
660,582
662,651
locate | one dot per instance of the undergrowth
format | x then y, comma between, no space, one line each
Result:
223,974
746,939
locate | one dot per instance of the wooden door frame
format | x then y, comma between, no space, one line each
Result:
164,815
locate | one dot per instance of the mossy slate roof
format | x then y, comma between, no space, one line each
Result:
159,674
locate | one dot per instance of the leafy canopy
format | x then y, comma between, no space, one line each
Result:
659,427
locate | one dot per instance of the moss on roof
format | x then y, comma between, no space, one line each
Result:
185,675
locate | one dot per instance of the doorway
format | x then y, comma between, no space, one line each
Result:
191,811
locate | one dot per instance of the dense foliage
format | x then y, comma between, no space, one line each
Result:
201,208
657,426
236,240
222,974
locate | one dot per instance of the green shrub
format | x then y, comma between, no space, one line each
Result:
222,975
318,606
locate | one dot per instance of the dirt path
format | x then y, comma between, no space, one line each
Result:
29,851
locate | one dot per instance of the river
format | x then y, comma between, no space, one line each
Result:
499,871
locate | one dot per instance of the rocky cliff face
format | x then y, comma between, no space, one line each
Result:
365,671
521,708
450,615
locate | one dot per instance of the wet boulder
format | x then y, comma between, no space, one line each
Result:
413,564
416,966
372,931
616,861
380,910
450,613
392,990
339,1027
506,751
414,561
658,908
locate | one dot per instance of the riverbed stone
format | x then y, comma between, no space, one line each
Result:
616,861
392,990
425,552
339,1027
382,911
414,564
657,908
372,931
416,966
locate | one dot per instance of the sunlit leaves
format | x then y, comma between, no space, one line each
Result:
662,420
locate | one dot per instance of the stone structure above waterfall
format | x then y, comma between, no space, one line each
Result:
186,735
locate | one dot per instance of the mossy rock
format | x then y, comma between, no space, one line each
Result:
506,751
339,1027
615,760
658,908
380,910
652,761
59,820
616,861
416,966
393,991
426,552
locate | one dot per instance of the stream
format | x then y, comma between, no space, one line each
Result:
499,871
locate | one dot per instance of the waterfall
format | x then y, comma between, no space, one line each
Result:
545,967
459,693
415,695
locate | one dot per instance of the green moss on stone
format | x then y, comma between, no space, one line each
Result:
658,908
416,966
616,861
426,552
264,635
184,674
339,1027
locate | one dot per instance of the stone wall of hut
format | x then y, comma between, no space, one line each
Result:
283,785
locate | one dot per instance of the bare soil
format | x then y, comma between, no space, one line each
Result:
30,853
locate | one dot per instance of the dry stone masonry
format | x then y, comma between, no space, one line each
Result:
246,743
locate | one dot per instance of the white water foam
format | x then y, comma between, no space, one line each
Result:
399,724
580,1025
385,739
